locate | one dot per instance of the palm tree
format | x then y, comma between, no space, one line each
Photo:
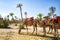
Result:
16,17
54,15
20,6
11,14
8,17
49,14
52,10
26,14
40,16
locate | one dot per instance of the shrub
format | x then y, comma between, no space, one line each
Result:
5,24
16,24
1,25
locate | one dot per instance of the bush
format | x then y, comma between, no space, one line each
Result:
4,24
16,24
1,25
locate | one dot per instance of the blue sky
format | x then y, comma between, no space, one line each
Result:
32,7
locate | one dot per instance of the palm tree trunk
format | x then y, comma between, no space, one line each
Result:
12,18
21,14
26,16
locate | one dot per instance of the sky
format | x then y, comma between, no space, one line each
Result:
32,7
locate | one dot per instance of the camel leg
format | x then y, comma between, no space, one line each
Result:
19,30
49,30
44,30
33,30
54,32
36,30
27,29
57,28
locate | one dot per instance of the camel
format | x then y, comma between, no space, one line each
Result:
43,23
27,22
51,24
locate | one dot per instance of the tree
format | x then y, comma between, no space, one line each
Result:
8,17
26,14
11,14
52,10
40,16
20,6
49,14
54,15
16,17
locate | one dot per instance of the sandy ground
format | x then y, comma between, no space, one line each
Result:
12,34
